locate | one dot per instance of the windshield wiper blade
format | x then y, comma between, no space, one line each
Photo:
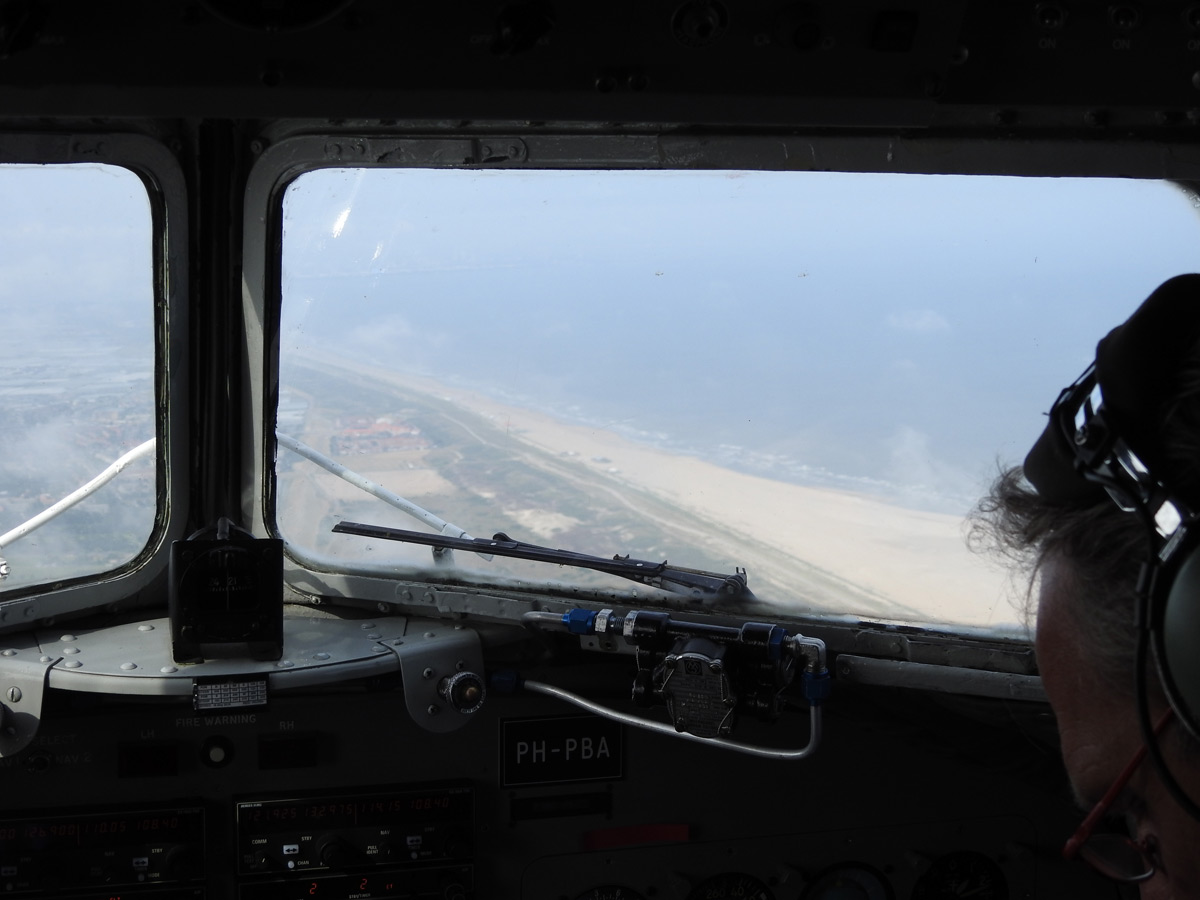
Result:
694,583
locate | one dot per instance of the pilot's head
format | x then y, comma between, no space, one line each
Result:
1106,514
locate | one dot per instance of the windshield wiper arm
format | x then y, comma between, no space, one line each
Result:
690,582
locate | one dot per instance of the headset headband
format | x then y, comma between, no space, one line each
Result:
1110,419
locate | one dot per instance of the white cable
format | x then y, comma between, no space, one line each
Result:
814,737
75,496
53,512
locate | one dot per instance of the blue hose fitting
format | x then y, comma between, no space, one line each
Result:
817,686
580,621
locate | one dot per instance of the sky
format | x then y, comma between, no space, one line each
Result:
75,252
898,333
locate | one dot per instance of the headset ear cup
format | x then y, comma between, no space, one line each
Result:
1175,621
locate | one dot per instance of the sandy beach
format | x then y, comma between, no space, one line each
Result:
914,561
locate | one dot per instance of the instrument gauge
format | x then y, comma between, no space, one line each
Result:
731,886
965,874
610,892
850,881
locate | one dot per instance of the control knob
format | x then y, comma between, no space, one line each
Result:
335,853
464,691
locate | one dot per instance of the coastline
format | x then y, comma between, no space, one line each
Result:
915,559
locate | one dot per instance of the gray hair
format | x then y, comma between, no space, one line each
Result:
1103,549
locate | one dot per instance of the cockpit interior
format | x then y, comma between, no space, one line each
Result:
529,450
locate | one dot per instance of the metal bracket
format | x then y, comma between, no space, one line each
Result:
24,671
427,658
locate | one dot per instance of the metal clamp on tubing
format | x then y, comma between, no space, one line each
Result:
640,627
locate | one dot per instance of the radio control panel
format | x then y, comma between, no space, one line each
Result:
160,850
397,841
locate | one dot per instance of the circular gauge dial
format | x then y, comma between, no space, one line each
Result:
610,892
965,874
731,886
851,881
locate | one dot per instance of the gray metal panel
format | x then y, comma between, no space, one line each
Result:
135,658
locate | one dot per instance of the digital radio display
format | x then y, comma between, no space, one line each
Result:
391,810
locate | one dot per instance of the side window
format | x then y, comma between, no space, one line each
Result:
77,388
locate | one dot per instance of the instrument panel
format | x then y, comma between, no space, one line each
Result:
340,792
417,842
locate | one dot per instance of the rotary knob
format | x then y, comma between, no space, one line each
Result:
464,691
335,853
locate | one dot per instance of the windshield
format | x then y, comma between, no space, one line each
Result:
811,376
77,397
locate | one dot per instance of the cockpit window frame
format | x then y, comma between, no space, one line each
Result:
159,171
573,148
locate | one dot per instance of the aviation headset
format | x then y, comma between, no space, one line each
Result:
1105,436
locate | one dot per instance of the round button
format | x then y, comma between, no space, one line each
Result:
216,752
